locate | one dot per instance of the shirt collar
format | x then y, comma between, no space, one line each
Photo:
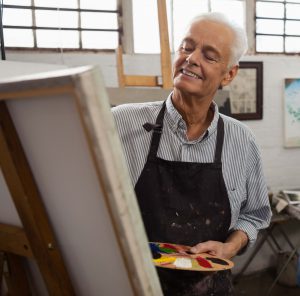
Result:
174,119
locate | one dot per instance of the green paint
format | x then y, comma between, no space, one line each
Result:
167,250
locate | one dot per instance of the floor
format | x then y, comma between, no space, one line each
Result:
258,285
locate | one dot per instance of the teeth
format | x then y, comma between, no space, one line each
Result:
191,74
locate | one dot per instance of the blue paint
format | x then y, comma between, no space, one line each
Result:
154,247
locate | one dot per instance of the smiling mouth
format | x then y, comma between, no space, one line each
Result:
190,74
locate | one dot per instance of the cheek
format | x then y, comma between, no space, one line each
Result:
175,68
178,61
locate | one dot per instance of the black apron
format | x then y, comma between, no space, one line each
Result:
185,203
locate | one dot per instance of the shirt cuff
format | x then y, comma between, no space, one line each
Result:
251,232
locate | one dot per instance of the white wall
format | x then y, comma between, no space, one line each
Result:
281,165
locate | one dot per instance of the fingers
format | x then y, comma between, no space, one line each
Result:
211,247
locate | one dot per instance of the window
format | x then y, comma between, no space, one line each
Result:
73,24
145,19
277,26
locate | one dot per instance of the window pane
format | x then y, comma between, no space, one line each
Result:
145,20
18,37
56,19
97,20
292,44
293,11
145,26
294,1
100,40
17,17
234,10
292,27
269,43
57,39
57,3
99,4
269,26
17,2
64,19
182,15
269,9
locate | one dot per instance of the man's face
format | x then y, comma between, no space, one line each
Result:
201,63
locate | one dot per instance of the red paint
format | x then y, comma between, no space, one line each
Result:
170,247
203,262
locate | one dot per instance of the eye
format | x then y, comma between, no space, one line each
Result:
186,49
210,58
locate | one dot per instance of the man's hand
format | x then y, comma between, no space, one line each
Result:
222,250
234,243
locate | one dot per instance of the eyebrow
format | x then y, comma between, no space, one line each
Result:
188,39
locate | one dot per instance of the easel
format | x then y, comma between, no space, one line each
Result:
165,58
36,239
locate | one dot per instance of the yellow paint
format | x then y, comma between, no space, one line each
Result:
165,260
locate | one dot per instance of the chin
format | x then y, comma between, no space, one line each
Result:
186,89
181,84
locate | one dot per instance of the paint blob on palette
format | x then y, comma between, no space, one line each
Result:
178,257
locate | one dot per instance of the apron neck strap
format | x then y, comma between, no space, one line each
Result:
220,140
157,131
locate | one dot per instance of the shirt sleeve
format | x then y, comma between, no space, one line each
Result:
255,213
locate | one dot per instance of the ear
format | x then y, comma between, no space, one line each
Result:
230,75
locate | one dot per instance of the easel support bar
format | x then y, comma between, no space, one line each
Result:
14,240
132,80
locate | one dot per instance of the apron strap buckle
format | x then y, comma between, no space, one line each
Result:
157,128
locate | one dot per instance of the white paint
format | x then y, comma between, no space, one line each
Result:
183,263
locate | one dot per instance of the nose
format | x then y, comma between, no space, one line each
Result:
193,58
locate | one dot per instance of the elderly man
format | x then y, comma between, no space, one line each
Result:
197,173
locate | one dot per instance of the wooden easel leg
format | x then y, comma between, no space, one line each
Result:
165,53
15,276
165,58
121,77
1,269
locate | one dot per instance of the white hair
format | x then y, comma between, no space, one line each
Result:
240,43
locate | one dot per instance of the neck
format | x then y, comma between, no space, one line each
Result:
195,112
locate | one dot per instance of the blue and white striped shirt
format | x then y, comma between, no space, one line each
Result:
241,161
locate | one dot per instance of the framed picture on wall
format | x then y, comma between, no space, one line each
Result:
246,92
292,112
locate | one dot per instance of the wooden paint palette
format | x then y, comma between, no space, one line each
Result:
175,256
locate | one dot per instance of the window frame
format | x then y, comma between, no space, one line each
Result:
125,29
284,35
78,29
